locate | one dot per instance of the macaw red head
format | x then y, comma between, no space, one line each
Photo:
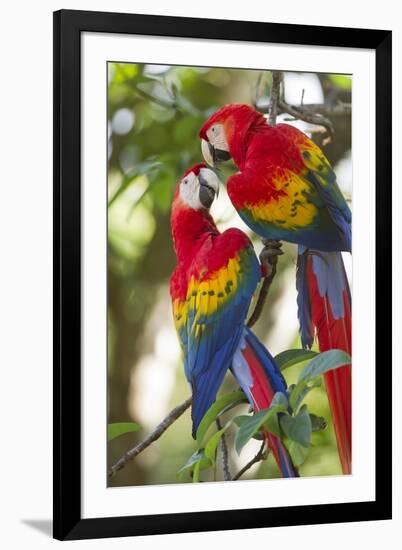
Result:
223,134
190,217
197,188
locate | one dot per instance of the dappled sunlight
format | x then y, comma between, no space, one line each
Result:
153,377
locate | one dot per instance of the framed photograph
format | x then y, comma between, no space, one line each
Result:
205,175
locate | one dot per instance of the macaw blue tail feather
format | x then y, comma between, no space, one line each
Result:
206,385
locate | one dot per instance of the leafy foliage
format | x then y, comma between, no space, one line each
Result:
261,419
216,409
324,362
298,427
287,417
291,357
120,428
203,458
197,461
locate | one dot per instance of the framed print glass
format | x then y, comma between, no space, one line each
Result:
205,176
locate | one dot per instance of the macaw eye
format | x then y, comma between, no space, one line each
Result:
185,181
213,129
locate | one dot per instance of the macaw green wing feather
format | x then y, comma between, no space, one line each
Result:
324,178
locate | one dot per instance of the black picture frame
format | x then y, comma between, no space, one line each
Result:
68,27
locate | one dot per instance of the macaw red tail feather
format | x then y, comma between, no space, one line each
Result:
256,371
325,305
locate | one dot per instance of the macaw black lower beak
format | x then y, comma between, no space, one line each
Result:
206,193
219,155
213,155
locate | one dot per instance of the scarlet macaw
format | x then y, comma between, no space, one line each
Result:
211,289
286,189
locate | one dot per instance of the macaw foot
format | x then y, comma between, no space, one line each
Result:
269,256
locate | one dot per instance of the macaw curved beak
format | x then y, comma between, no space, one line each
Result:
207,152
211,154
209,187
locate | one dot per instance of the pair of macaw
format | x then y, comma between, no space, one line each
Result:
285,189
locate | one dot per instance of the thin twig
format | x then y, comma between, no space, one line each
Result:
145,95
275,96
314,113
261,455
338,109
154,99
225,454
307,116
159,430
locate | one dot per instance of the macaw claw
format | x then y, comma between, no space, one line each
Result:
269,256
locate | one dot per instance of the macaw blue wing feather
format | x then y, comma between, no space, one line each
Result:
217,306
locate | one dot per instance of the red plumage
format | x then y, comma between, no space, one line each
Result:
196,243
211,289
262,392
262,395
335,334
286,189
251,138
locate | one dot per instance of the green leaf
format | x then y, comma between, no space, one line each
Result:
240,420
249,428
196,472
211,446
298,453
214,411
324,362
279,400
318,423
297,428
254,423
272,425
196,458
291,357
120,428
299,392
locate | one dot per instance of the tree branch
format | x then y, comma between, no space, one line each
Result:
314,114
275,96
262,296
225,455
159,430
307,116
152,98
338,109
261,455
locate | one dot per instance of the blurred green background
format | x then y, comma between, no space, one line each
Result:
154,115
